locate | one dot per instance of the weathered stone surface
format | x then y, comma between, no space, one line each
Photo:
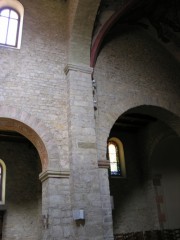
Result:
46,94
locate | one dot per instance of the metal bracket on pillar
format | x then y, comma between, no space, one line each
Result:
94,87
79,217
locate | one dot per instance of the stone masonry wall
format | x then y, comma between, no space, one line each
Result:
22,218
84,181
32,78
132,195
133,70
160,148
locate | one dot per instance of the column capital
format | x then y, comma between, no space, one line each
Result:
103,164
78,68
53,174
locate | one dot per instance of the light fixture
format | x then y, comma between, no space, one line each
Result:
79,217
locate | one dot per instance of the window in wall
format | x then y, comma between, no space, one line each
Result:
11,20
116,157
2,181
9,25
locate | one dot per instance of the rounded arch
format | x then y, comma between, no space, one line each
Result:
34,130
167,124
140,129
117,15
18,7
100,37
14,4
83,14
104,29
162,114
166,116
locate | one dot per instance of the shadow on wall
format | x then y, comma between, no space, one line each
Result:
165,162
152,148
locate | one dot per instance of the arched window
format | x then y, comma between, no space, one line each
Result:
11,19
2,181
9,25
116,157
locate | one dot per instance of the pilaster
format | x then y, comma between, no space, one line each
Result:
56,205
105,199
84,180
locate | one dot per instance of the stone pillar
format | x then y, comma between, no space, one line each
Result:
84,180
56,205
105,199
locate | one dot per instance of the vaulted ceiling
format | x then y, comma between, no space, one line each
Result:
114,16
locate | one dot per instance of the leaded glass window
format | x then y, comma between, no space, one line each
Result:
113,151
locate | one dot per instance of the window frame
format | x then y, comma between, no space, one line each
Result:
7,29
19,9
120,158
2,182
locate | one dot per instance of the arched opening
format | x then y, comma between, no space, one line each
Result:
25,157
143,204
8,124
32,157
21,210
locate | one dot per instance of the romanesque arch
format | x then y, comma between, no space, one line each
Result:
82,19
170,119
150,135
160,113
34,130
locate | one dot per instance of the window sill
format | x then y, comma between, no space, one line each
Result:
117,177
9,47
